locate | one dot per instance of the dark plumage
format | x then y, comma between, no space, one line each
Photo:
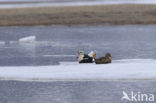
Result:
86,59
104,60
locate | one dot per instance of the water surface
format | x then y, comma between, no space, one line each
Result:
51,3
72,92
55,44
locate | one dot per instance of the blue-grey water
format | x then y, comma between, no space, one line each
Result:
61,43
73,92
55,44
44,3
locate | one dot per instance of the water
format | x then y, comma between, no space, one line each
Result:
43,3
72,92
55,44
61,43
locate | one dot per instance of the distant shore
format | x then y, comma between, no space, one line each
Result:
90,15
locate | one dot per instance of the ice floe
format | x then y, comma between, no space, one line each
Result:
138,69
28,39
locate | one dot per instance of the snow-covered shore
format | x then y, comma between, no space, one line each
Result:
118,70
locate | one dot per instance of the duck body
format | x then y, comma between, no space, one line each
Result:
86,59
104,60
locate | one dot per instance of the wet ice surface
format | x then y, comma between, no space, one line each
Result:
55,44
72,92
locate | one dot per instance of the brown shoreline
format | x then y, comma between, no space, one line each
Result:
90,15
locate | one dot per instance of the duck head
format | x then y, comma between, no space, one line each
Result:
80,53
108,55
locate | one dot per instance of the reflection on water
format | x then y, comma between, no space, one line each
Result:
61,43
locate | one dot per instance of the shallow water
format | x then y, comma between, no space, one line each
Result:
72,92
55,44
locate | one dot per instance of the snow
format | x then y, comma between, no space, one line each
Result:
119,70
29,39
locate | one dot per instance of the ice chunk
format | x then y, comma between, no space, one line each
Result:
29,39
128,70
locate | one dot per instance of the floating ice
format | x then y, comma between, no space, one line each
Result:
135,70
29,39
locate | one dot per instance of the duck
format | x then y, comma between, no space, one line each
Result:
86,58
104,60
